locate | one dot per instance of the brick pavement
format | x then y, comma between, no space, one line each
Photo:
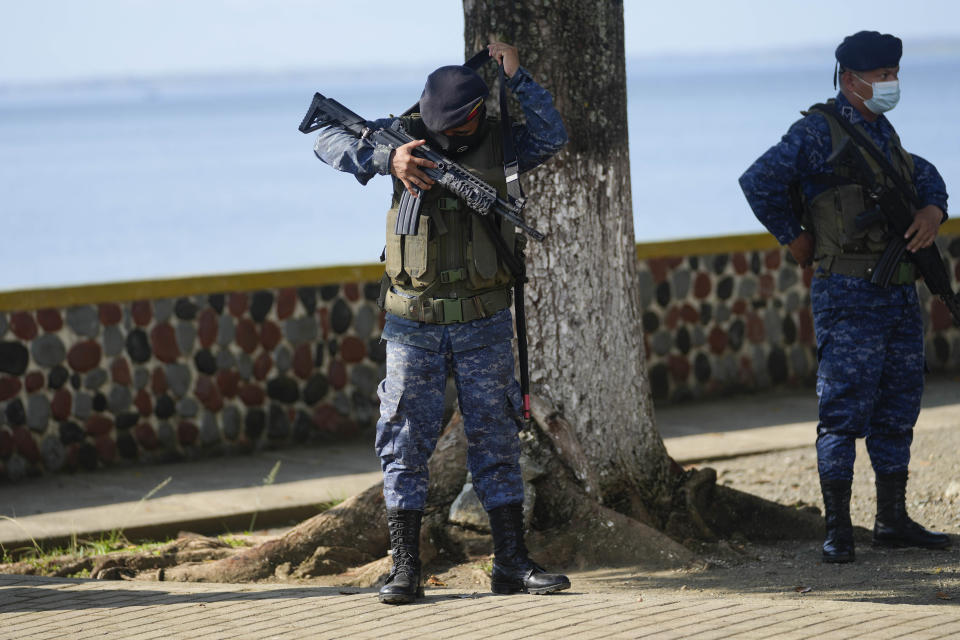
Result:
68,609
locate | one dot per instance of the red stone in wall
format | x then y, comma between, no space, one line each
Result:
755,330
270,335
110,314
50,320
142,312
688,314
106,448
146,436
679,367
325,321
247,336
158,381
207,393
767,286
338,375
187,433
164,341
673,318
351,291
303,361
23,325
143,403
739,307
9,387
61,404
207,327
326,418
98,425
84,356
286,303
251,394
717,340
740,264
228,381
26,445
237,304
120,371
352,349
33,381
701,285
262,366
772,259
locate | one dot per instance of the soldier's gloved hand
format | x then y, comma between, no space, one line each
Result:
406,167
926,222
802,249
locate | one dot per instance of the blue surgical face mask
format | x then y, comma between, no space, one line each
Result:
886,95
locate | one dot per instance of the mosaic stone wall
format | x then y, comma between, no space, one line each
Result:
175,378
741,321
170,379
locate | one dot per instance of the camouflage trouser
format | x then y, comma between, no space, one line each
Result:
411,411
870,382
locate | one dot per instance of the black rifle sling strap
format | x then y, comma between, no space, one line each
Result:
514,262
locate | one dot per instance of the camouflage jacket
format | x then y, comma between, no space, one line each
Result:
802,153
542,136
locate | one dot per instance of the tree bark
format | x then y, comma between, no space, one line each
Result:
586,340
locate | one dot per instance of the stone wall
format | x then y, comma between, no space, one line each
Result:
726,315
144,372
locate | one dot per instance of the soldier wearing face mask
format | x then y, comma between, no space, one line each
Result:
447,309
869,338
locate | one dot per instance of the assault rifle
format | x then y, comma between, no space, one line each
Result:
477,194
895,206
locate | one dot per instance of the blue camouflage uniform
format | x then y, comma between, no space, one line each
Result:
869,339
479,353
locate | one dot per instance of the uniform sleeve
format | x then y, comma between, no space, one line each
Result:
543,135
929,184
801,153
345,152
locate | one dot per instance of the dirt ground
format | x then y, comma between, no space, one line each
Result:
794,569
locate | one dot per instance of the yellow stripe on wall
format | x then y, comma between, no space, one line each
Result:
31,299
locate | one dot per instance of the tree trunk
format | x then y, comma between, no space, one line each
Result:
586,340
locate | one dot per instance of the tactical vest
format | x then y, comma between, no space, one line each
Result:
450,271
840,246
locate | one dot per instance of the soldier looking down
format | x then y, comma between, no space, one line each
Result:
447,309
869,337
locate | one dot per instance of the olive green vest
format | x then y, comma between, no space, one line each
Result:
839,245
449,271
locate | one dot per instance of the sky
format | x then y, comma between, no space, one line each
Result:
51,40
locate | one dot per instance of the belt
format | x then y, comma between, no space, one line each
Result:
447,310
860,265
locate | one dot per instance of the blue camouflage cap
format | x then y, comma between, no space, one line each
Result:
866,50
452,96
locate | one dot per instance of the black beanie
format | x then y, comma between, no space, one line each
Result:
452,96
868,50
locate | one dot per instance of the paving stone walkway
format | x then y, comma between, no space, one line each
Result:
62,609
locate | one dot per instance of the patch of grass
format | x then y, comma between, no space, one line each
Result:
486,566
329,504
267,481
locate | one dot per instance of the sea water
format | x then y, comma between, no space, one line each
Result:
165,177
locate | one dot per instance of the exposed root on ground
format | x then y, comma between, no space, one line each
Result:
568,525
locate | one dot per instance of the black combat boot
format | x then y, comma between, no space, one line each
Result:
404,583
838,543
893,527
513,570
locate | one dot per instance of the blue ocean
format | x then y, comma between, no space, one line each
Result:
105,181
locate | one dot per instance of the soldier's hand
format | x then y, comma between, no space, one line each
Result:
923,231
802,249
506,55
406,167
